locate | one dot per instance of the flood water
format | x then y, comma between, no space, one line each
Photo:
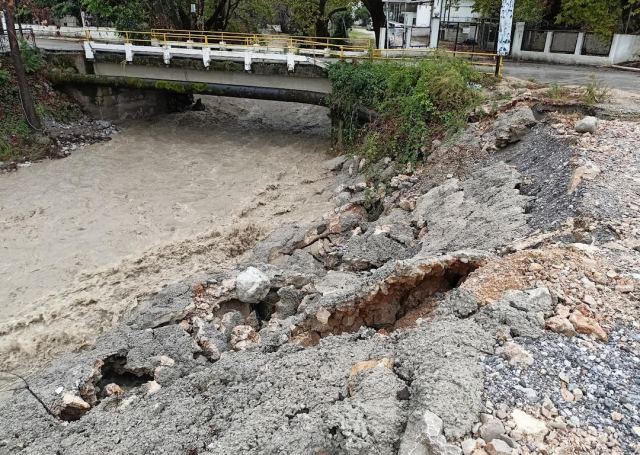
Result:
84,239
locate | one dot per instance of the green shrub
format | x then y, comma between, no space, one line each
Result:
596,91
31,57
4,77
414,102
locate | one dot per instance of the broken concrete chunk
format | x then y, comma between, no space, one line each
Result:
511,126
335,164
243,337
229,320
75,402
491,429
323,316
113,390
290,299
423,436
368,251
469,445
498,447
537,300
350,217
516,355
588,124
561,325
150,388
587,325
252,285
529,425
73,407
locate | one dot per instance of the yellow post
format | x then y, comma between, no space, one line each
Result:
126,37
341,51
164,37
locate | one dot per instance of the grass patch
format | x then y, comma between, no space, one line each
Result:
557,92
415,104
596,91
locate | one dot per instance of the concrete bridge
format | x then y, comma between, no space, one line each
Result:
113,67
273,67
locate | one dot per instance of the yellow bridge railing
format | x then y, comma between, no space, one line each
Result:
354,48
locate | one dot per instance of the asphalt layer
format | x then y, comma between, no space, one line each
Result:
573,75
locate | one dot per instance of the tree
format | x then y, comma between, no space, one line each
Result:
8,6
532,11
378,18
128,15
604,17
361,15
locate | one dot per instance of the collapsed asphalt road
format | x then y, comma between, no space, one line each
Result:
384,327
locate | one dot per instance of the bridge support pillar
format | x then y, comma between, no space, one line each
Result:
291,62
88,51
166,54
206,56
247,60
128,52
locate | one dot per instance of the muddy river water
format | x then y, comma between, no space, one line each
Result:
84,239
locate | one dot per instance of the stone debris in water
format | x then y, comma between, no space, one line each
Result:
487,313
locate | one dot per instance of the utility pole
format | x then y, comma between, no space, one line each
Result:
25,93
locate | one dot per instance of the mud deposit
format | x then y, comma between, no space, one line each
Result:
84,238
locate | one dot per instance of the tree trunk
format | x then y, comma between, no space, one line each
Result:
25,93
322,21
378,19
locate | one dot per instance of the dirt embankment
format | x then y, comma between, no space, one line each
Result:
485,304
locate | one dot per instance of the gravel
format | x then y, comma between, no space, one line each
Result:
606,374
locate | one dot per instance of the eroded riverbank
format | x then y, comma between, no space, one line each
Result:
85,237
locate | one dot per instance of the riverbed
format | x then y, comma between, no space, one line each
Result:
86,238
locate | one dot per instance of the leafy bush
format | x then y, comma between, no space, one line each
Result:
596,91
31,57
414,104
4,77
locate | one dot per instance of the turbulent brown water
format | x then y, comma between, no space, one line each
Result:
85,238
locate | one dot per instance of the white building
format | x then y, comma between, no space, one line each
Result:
418,13
410,21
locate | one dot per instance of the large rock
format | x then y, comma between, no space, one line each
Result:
529,425
252,285
498,447
561,325
588,124
516,355
520,313
491,429
423,436
511,126
335,164
371,250
587,325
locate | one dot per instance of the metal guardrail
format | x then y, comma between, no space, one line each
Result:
358,48
327,47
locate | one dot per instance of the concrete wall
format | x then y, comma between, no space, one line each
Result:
623,48
108,103
72,32
312,84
